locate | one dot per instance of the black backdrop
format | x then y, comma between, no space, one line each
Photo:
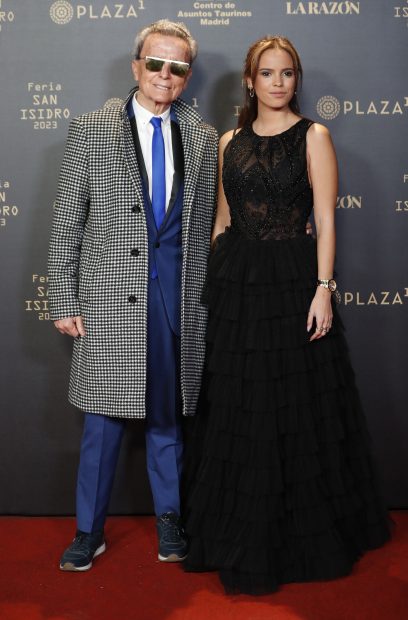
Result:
59,59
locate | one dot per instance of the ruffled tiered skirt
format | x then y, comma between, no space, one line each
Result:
279,483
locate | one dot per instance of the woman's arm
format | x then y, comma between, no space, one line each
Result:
222,218
322,165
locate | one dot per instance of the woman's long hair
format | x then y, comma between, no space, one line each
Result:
249,110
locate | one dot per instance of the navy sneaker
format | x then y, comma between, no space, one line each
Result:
172,539
83,549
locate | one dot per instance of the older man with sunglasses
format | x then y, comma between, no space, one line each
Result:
128,253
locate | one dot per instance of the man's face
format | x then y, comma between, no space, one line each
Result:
158,89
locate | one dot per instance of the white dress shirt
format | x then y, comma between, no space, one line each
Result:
145,131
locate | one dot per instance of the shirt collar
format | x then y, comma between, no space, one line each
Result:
144,115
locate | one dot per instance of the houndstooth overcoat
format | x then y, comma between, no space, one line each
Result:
99,219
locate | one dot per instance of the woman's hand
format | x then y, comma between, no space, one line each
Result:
321,312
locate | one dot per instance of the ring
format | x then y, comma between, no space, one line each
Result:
325,330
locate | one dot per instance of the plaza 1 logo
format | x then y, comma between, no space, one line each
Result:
323,8
375,298
44,109
62,11
329,107
401,12
38,304
7,211
6,16
215,13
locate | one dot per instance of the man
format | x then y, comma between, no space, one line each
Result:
128,254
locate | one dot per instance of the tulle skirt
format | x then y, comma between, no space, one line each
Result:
279,483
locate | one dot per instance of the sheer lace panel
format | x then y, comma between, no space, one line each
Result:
266,183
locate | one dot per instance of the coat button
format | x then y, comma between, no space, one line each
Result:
136,209
134,252
157,244
132,299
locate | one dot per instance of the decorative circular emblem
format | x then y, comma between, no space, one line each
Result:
113,103
328,107
61,12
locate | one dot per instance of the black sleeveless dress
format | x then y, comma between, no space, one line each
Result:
279,482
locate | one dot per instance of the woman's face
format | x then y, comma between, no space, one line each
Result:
275,81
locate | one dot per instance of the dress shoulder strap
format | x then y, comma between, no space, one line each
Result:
307,123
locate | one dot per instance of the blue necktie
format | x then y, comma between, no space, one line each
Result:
158,172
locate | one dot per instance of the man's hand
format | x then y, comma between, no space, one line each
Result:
73,326
309,229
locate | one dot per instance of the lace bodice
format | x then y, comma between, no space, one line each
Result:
266,183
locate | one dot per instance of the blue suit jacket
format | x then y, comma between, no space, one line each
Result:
165,244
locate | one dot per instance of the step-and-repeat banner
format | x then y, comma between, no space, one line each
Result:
62,58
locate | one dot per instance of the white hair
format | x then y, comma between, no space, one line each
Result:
167,28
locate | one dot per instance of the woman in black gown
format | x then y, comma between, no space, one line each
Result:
280,486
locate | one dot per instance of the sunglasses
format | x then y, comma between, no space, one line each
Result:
177,67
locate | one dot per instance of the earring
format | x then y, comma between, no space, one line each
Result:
251,92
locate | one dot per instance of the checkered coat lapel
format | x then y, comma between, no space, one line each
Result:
98,219
129,152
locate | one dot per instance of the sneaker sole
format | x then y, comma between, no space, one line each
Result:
69,566
173,557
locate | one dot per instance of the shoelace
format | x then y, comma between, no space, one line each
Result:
79,543
172,531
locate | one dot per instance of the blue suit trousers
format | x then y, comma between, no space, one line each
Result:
164,445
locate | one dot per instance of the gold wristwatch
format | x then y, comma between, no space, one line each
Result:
330,284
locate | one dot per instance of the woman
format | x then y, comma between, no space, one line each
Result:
280,485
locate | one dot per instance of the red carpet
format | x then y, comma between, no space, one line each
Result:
128,582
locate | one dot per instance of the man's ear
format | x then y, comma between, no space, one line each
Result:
136,69
187,78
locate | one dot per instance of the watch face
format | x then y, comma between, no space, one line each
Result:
332,285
